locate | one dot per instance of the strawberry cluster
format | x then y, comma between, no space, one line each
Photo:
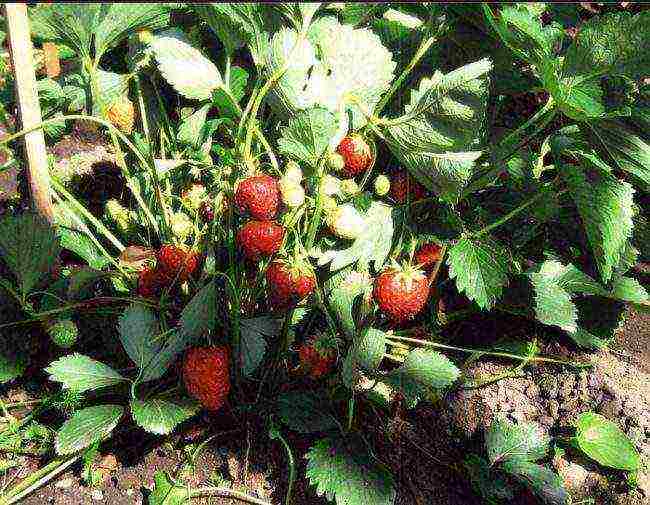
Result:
173,264
259,197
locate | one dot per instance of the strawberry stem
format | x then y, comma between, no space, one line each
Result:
426,343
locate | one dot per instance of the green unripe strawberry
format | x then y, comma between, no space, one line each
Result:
63,333
382,185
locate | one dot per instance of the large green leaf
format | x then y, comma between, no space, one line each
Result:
345,473
606,206
505,441
554,285
86,427
305,411
545,483
480,268
80,244
489,485
121,19
190,130
628,151
440,135
372,246
613,45
190,73
167,492
72,24
81,373
199,316
365,354
138,327
603,441
616,43
161,416
13,361
629,290
28,246
422,372
308,135
325,70
236,24
253,342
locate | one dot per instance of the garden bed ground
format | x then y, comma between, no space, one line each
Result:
424,447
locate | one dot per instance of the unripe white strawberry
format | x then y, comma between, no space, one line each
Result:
329,185
195,195
329,204
292,172
346,222
293,195
336,162
382,185
181,225
349,187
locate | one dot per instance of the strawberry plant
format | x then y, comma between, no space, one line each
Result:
255,268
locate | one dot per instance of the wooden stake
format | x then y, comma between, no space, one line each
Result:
29,108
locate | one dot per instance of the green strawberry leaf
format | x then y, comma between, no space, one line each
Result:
344,473
238,24
161,416
439,136
166,492
69,24
604,442
86,427
13,359
190,73
480,269
305,412
628,289
422,372
365,354
119,20
505,441
606,207
325,70
191,129
81,373
29,247
554,284
344,288
308,134
545,483
227,102
372,246
199,316
629,152
489,485
138,328
253,342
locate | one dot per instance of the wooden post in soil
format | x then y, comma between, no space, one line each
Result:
29,108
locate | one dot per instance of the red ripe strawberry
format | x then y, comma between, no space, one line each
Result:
288,284
260,196
318,355
206,373
260,239
428,255
403,187
149,282
356,154
176,262
401,292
